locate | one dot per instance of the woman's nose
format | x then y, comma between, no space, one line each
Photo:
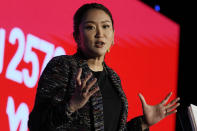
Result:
99,33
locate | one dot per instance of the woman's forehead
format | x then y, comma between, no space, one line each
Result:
96,15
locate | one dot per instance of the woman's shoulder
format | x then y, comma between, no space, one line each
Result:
59,63
61,60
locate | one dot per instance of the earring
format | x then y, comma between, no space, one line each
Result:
108,50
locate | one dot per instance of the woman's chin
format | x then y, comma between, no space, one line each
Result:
98,53
101,52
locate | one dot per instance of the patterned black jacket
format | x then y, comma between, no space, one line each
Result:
55,88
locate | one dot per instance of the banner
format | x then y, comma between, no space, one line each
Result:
145,54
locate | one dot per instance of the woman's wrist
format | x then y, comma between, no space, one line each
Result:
144,124
70,107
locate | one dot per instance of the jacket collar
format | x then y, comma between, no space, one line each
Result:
82,59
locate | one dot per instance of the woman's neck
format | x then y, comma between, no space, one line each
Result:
95,64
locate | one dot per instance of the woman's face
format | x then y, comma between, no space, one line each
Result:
96,33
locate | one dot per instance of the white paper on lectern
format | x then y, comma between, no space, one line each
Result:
192,111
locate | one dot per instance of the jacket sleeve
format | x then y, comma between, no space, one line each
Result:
135,124
50,110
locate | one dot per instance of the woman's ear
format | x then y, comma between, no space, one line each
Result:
114,38
113,42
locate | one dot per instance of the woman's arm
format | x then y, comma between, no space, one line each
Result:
50,110
137,124
154,113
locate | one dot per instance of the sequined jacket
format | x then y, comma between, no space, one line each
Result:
56,86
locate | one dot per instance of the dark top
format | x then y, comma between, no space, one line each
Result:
111,101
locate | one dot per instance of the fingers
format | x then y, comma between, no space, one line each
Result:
172,107
91,84
172,102
86,79
171,112
166,99
78,78
93,91
84,85
142,99
86,88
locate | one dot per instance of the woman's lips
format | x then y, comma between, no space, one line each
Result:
99,44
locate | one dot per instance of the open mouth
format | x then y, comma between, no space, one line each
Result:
99,44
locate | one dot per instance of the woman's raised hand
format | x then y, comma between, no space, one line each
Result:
82,93
155,113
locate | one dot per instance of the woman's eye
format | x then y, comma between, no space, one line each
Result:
89,27
106,26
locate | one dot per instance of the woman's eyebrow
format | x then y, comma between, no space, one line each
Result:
105,21
95,22
89,22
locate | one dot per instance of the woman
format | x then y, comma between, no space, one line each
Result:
81,93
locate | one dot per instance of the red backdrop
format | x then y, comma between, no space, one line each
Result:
145,54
